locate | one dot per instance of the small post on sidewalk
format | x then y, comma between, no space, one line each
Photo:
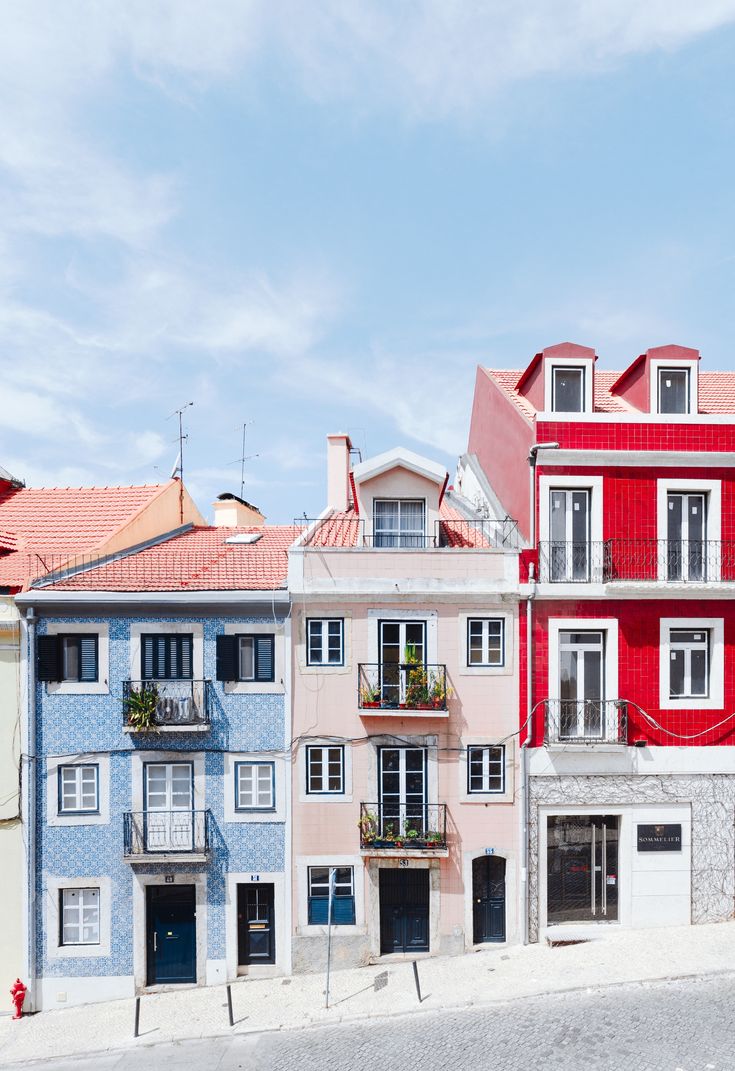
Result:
416,979
136,1028
229,1005
332,880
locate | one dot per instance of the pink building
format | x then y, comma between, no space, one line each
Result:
405,700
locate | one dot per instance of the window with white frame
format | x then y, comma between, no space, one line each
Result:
325,769
567,390
486,769
673,390
68,658
325,641
485,641
343,898
689,663
256,658
399,522
78,788
79,916
255,786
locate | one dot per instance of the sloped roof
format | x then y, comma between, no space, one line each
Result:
343,530
202,559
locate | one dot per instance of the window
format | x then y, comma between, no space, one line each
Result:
255,658
567,390
255,786
673,390
68,658
325,769
486,769
324,642
689,663
343,902
80,916
166,657
78,789
399,522
486,641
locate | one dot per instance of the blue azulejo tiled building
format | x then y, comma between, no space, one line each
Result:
162,741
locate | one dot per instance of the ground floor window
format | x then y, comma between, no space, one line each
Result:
80,916
343,904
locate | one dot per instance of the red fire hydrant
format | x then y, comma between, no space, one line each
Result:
18,993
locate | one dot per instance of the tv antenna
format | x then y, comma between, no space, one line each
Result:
241,460
178,468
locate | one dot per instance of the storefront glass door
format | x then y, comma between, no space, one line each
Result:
582,868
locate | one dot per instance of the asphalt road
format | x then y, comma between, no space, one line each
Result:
674,1026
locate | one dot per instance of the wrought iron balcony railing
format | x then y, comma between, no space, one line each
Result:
403,825
348,531
670,560
401,686
165,833
586,721
151,705
572,563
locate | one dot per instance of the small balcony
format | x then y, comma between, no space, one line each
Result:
585,721
166,836
403,829
672,561
402,688
154,706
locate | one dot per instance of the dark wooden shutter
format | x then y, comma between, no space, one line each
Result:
146,661
227,658
264,658
49,658
88,662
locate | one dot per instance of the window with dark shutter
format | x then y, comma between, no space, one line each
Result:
227,658
49,662
166,657
264,651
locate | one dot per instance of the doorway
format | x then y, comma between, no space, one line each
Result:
170,934
402,645
581,685
582,868
488,895
686,528
256,941
570,535
404,910
169,801
403,807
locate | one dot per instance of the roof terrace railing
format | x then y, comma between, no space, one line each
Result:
455,534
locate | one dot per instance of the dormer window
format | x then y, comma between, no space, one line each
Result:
567,390
399,522
673,390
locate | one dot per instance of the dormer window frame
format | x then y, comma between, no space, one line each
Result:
659,365
586,366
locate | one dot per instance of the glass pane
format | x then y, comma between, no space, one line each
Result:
315,642
568,390
334,633
676,674
592,675
247,658
245,786
699,673
70,656
673,390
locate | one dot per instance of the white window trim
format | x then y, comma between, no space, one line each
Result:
102,818
325,621
177,628
430,617
593,484
693,367
72,628
463,618
571,362
276,686
713,490
609,625
231,814
399,532
325,797
139,759
478,740
716,628
54,948
303,863
301,641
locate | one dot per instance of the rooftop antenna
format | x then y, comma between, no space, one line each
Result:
179,463
242,459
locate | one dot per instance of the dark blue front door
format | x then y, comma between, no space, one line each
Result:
488,892
171,917
255,929
404,910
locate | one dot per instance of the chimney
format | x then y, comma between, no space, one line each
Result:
233,512
338,471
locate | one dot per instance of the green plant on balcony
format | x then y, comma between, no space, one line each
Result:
370,695
417,686
433,838
368,826
141,705
439,693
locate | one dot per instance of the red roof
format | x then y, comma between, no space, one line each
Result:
201,559
716,392
341,530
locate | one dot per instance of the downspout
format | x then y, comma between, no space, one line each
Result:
31,788
524,757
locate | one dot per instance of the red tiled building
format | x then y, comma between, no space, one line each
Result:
623,485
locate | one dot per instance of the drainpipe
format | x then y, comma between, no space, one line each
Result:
30,810
523,756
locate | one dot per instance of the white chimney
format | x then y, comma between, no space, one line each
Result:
233,512
338,471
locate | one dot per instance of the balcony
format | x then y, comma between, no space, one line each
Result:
403,829
342,531
693,561
402,688
585,721
154,706
166,836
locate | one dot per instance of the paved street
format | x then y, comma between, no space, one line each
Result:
675,1026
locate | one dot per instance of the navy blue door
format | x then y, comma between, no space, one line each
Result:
488,893
404,910
171,925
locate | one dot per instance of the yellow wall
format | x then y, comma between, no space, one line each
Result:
11,839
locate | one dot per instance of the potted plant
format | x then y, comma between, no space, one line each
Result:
433,838
368,827
417,687
141,707
370,696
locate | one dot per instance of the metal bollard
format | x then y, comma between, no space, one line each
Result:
136,1028
229,1005
416,979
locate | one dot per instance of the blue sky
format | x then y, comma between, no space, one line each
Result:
322,217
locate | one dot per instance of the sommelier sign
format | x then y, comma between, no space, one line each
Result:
666,838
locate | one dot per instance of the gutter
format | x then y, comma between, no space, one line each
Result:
30,808
523,763
48,597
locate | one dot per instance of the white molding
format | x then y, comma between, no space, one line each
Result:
478,740
302,864
52,887
575,483
228,787
178,628
399,457
276,686
138,759
102,761
391,613
609,625
282,933
692,366
324,797
713,530
716,627
679,759
679,459
323,614
585,363
508,667
140,881
511,894
102,630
